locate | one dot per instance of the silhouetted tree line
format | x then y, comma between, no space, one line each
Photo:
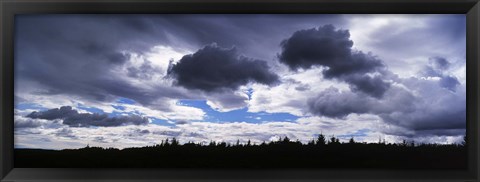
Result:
321,152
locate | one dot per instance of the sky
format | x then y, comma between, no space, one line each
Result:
134,80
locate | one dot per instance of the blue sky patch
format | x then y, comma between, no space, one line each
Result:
162,122
25,106
118,107
91,109
358,133
124,100
239,115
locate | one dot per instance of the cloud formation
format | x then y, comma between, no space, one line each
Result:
72,118
213,68
99,61
415,107
325,46
437,68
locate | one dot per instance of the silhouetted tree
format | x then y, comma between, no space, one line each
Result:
334,140
321,140
342,154
222,144
286,139
351,141
174,142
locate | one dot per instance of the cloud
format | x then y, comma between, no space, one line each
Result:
93,60
439,68
416,106
403,42
336,104
22,122
145,71
374,86
433,107
440,63
227,101
325,46
321,46
65,132
57,113
89,57
26,123
449,82
180,122
396,102
72,118
364,127
213,68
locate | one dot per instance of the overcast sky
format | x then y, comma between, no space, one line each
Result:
134,80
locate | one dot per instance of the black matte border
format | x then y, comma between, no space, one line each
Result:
8,8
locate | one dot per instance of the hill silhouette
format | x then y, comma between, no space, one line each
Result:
284,153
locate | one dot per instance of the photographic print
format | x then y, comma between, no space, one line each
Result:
378,91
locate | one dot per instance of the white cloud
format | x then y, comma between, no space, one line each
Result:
291,96
227,101
304,130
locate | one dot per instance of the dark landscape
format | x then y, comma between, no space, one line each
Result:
319,153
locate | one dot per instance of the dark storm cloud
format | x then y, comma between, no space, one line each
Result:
399,107
434,119
325,46
213,68
441,132
52,114
316,46
417,134
375,86
246,32
333,103
72,118
77,53
86,119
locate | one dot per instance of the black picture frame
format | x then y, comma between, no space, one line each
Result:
9,8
